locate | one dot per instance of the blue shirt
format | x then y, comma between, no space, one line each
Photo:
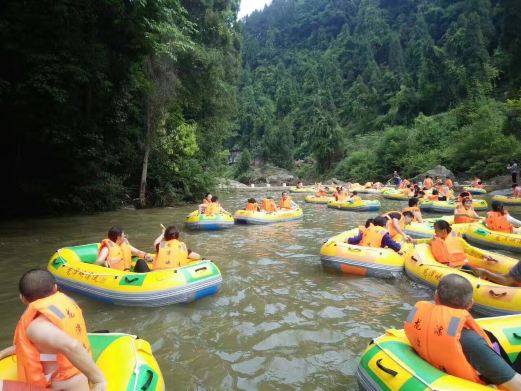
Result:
386,241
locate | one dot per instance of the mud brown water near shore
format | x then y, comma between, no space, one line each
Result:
279,322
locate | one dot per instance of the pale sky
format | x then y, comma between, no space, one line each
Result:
248,6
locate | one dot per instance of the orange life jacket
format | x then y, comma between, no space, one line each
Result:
212,208
268,205
392,230
428,183
65,314
341,196
460,210
434,332
171,253
285,203
449,251
252,206
433,197
321,193
449,183
415,211
120,256
498,222
372,236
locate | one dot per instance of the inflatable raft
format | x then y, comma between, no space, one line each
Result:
474,190
196,220
507,200
390,363
490,299
74,270
280,216
126,361
336,254
359,206
313,199
480,235
449,206
395,195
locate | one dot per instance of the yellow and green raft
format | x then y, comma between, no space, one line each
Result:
253,217
74,270
313,199
449,206
196,220
302,190
126,361
357,206
480,235
506,200
390,364
490,299
475,190
395,195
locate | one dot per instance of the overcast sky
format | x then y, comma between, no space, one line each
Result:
248,6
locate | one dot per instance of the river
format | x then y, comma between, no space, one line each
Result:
278,323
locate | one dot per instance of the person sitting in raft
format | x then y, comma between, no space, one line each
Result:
50,341
434,196
375,235
463,195
498,219
206,200
215,208
354,198
116,252
252,205
170,251
322,192
414,209
428,183
397,222
268,205
446,246
286,202
516,190
300,185
449,183
465,213
444,334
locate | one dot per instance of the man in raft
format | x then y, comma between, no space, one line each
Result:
445,335
50,341
286,202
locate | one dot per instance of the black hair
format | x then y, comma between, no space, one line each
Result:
251,200
409,213
114,233
171,232
497,206
355,192
443,226
380,221
215,198
206,195
514,185
284,192
413,201
36,284
368,222
435,192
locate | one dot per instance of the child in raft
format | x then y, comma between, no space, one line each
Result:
375,234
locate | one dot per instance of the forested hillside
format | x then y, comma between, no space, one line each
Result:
369,86
96,96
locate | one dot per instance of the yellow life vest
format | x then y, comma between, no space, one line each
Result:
172,253
120,256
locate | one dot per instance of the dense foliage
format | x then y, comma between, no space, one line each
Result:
369,86
98,96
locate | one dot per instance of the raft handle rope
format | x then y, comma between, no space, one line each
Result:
398,362
385,369
137,367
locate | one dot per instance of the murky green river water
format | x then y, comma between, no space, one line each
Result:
279,322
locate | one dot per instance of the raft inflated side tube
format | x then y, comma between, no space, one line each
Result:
506,200
254,217
319,199
360,206
126,361
480,235
449,206
490,299
474,190
336,254
196,220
